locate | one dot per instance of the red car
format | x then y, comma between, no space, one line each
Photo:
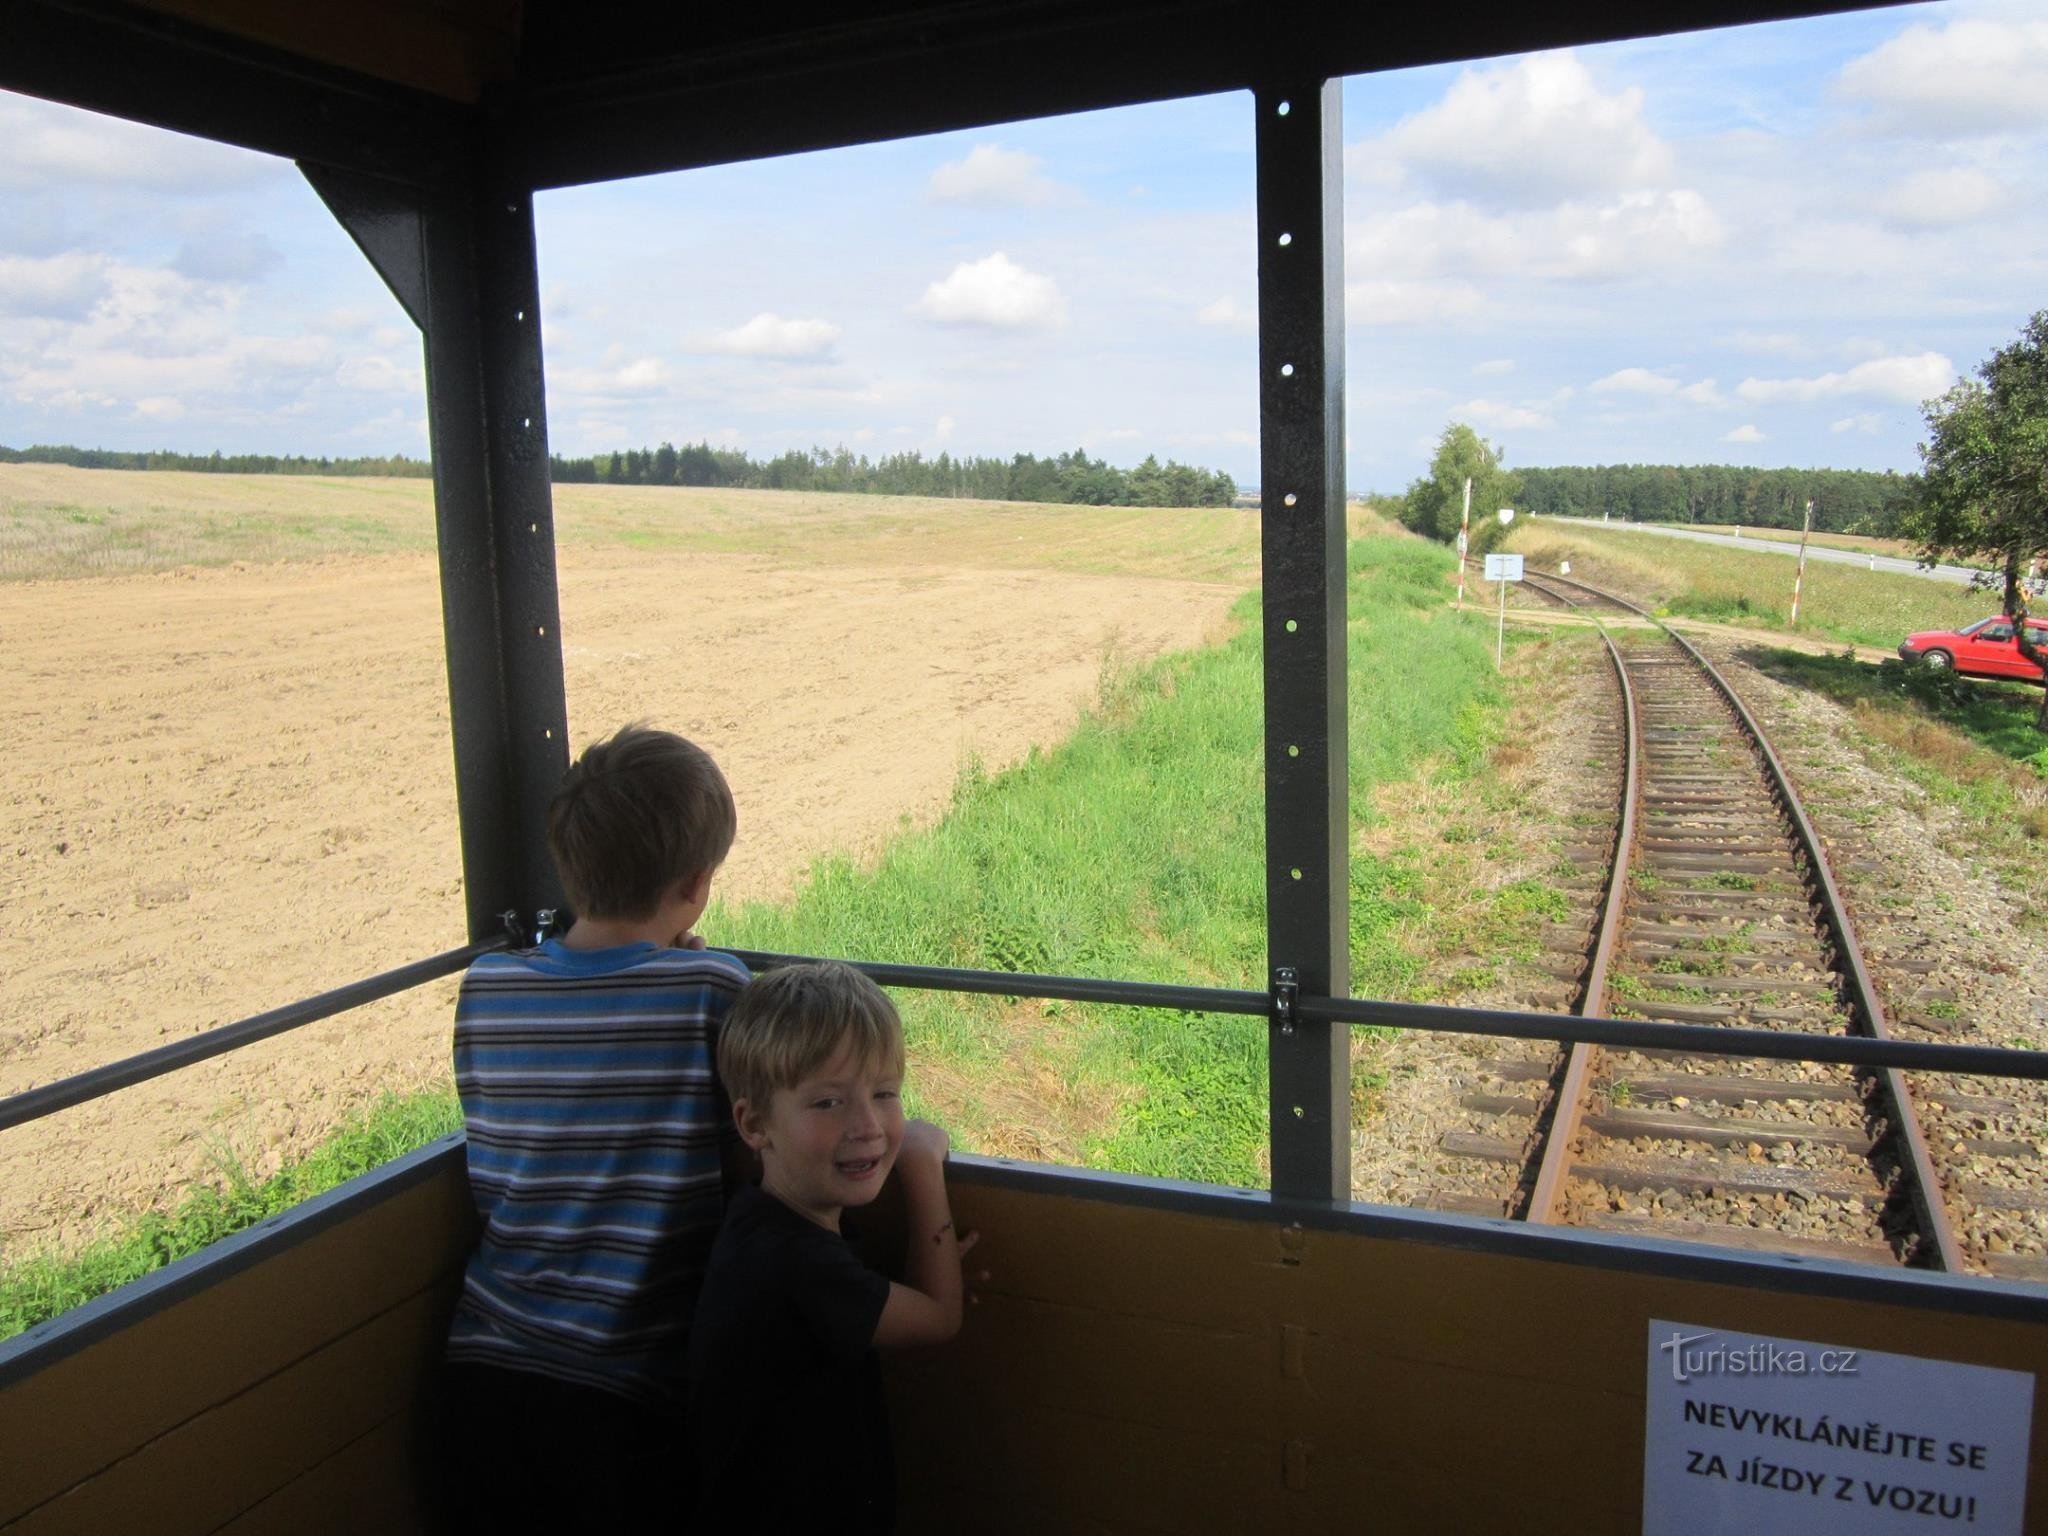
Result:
1983,649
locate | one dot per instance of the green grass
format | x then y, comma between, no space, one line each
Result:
1971,745
1731,586
1135,850
41,1286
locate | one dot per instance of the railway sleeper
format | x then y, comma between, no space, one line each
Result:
1759,984
1737,1090
1681,1125
1734,960
1658,1011
2018,1266
1756,1239
1801,1184
2000,1197
1712,863
1502,1104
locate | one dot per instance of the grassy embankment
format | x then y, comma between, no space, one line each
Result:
1134,849
1839,603
1970,744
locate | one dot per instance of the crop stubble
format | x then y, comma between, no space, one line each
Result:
230,787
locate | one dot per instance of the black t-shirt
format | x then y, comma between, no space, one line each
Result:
786,1402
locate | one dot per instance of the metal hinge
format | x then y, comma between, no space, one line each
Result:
1286,997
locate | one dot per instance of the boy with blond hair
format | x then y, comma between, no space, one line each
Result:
786,1403
596,1132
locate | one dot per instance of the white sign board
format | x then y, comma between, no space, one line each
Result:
1503,567
1754,1436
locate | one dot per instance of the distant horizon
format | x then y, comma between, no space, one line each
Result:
1352,492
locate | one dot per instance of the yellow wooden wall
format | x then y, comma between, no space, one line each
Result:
1130,1368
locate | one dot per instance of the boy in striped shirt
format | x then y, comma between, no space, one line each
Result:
597,1132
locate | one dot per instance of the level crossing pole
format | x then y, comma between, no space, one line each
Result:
1464,541
1799,577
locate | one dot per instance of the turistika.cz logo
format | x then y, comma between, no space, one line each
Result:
1763,1358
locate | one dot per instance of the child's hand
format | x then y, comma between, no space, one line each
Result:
925,1141
688,940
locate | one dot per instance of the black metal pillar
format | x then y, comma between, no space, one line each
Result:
460,258
1301,486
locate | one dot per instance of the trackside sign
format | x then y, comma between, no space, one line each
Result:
1753,1436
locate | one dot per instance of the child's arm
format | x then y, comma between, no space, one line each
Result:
926,1310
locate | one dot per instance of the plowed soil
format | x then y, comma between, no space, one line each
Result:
228,787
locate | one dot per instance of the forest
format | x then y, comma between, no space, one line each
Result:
1067,477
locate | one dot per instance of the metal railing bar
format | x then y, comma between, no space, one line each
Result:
35,1103
1073,989
1628,1034
1700,1039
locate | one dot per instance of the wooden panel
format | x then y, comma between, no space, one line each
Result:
218,1464
365,1486
65,1423
1127,1370
422,46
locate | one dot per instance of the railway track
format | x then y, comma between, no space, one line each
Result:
1715,907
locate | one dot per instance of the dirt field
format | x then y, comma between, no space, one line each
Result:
229,786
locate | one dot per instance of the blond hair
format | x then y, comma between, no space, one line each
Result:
790,1022
634,815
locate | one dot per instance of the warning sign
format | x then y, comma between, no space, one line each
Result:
1754,1436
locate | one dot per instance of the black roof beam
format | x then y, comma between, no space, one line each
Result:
135,63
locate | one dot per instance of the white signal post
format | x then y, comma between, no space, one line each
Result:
1464,529
1504,569
1799,577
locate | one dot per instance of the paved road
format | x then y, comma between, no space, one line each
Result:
1960,574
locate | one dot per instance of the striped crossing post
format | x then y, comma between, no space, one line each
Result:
1799,577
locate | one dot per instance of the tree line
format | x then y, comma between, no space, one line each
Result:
1067,477
218,463
1844,500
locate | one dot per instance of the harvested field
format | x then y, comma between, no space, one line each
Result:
229,784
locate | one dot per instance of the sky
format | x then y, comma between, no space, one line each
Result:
1766,246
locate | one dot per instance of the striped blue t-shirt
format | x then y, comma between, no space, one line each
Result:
595,1124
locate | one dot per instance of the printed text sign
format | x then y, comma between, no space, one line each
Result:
1754,1436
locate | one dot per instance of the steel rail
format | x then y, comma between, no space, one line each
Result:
1926,1192
98,1082
1546,1199
1932,1209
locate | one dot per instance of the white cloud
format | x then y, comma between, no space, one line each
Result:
1635,381
1908,380
1495,365
997,293
943,429
994,176
1784,343
1534,132
222,256
1641,381
642,373
1634,234
1226,314
769,335
1931,199
1504,415
44,145
160,408
52,287
1394,302
1971,76
1746,433
1862,421
378,375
